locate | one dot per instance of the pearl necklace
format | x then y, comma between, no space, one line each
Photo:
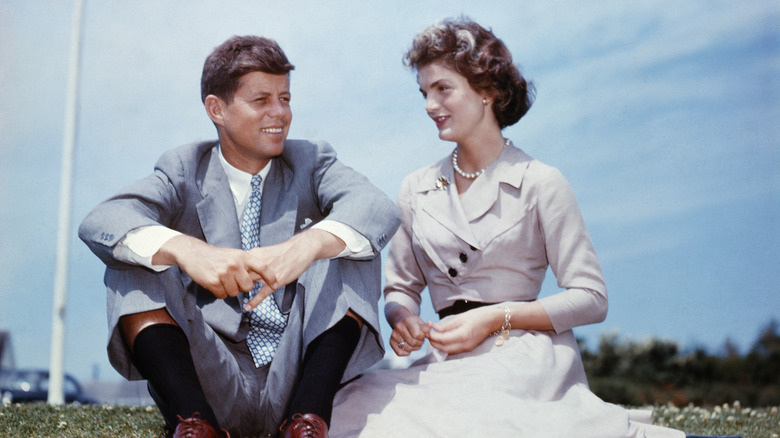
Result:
469,175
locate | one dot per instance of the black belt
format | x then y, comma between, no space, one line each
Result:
460,306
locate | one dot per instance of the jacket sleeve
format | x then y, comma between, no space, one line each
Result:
154,200
346,196
404,278
571,256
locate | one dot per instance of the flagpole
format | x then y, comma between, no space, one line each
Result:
56,365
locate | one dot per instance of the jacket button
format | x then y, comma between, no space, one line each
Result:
452,272
463,257
472,247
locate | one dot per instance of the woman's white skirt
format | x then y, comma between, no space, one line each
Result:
534,385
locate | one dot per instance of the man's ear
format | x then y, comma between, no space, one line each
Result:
214,106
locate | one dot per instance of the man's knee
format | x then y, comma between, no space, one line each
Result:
131,325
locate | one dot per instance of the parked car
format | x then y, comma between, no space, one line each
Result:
26,385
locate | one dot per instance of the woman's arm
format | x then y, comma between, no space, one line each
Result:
463,332
404,282
570,254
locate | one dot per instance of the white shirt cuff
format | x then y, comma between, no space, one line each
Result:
140,245
357,245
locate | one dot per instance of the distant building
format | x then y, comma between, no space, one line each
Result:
6,352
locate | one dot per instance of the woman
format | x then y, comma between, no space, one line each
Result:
479,229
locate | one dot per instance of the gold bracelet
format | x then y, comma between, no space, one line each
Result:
503,333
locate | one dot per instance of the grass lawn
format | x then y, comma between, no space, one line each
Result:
41,420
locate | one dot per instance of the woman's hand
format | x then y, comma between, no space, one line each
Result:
409,335
463,332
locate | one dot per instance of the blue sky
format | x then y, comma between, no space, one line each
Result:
662,115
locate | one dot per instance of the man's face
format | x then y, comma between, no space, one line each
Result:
254,125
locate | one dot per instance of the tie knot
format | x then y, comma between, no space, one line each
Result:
256,180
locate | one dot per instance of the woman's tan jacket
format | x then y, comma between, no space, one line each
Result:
495,243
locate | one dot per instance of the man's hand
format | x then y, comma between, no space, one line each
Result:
283,263
224,271
228,271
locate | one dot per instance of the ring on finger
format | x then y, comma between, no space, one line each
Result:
401,345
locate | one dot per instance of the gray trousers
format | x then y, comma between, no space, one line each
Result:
245,399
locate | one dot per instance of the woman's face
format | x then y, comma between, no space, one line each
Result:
457,109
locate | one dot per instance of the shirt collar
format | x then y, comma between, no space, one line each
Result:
240,181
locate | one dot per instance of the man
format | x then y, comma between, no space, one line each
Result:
243,274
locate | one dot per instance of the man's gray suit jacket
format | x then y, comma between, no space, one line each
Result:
189,192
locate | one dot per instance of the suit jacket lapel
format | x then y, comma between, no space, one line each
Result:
508,168
443,205
462,215
217,210
502,179
217,216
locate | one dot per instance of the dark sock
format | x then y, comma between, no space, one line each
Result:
323,367
161,353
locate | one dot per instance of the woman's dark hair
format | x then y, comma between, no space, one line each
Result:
236,57
482,58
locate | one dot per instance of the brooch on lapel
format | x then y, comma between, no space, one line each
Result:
442,183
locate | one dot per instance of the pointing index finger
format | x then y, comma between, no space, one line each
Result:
261,294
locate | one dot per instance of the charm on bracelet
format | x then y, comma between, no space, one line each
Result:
503,333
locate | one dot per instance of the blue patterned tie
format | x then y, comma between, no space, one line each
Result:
266,322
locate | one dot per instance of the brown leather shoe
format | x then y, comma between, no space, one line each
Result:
305,426
195,427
